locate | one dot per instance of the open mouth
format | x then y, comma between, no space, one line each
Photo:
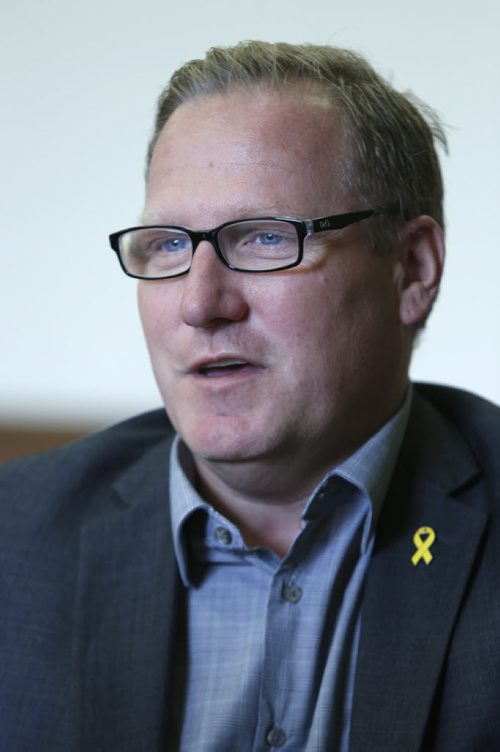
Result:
224,367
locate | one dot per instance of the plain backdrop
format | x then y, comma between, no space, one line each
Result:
79,86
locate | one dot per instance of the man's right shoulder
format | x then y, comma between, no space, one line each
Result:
82,466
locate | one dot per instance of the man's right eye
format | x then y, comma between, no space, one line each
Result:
172,244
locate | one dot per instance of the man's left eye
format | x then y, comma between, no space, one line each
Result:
268,238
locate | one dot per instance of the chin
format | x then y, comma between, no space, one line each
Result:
222,439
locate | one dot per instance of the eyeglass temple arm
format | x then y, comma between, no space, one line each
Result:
337,222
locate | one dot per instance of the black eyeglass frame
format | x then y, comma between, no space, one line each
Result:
304,228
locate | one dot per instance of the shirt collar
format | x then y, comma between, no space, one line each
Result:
369,469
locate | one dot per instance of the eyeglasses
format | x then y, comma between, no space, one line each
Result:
265,244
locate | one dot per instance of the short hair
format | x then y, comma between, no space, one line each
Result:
391,136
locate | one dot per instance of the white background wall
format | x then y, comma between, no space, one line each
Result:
79,84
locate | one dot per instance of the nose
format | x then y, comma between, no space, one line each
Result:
212,293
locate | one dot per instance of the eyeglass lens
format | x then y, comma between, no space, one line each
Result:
254,245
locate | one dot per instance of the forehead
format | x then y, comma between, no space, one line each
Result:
276,150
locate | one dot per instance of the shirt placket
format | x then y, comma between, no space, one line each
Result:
275,727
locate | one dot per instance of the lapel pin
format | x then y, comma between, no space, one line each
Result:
423,545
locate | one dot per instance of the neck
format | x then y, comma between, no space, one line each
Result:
264,498
267,522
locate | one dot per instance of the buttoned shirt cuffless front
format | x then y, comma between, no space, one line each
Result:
272,644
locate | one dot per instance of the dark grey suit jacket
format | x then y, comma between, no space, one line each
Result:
91,603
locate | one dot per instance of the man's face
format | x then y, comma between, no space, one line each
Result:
296,365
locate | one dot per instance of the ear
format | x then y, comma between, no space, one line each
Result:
422,266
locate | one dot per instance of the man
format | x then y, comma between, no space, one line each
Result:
308,560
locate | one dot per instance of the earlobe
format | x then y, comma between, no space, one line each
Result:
423,261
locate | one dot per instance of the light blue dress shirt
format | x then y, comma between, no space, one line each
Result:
272,643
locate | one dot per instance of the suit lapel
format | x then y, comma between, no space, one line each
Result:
127,596
409,610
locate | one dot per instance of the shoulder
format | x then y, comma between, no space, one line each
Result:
461,405
81,467
47,500
453,440
475,418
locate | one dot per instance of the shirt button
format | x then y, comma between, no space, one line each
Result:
222,535
276,737
292,593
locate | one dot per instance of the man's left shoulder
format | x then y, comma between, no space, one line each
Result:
460,403
475,418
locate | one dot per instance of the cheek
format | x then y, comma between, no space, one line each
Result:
337,321
156,311
299,319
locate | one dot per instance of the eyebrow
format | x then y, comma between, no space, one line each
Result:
151,217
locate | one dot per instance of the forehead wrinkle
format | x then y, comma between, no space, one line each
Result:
175,178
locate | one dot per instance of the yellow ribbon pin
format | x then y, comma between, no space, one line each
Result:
423,546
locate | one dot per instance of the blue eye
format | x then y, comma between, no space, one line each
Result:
269,238
171,245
